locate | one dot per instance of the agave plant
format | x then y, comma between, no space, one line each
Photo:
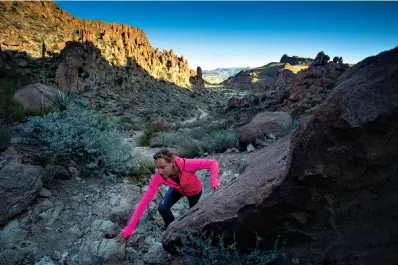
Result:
60,99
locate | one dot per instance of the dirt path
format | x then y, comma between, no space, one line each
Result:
203,114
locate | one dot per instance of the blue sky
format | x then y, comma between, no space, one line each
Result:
252,34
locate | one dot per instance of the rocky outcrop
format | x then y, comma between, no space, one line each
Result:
117,43
198,84
81,65
321,59
312,86
332,182
294,60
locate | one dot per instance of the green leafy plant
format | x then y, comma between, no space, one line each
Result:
84,135
146,137
60,100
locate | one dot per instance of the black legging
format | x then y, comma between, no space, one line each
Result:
172,196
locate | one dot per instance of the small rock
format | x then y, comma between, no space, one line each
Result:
12,232
131,253
271,136
45,193
72,163
250,148
156,255
56,255
74,172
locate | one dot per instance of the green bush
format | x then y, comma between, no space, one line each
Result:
202,250
197,133
146,167
167,139
83,133
190,148
145,138
196,142
220,141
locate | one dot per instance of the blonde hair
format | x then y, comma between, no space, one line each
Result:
165,154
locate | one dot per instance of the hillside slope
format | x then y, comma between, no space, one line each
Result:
26,25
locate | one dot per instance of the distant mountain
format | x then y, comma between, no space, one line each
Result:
264,76
220,74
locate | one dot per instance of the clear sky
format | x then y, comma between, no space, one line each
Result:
252,34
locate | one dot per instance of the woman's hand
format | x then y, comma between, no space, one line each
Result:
216,188
120,240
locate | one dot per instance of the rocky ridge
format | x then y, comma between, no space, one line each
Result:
26,25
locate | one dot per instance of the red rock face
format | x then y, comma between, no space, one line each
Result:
118,43
333,180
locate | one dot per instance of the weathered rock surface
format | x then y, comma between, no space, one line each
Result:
119,44
331,184
263,123
19,186
35,95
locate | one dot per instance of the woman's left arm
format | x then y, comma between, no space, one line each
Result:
194,165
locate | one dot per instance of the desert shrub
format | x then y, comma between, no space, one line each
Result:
145,138
168,139
83,133
203,250
190,148
197,133
196,142
220,141
60,100
145,167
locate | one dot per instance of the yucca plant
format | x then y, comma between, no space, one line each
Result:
59,99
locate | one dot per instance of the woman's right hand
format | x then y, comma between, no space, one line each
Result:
120,240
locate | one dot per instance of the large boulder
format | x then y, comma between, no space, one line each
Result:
19,186
329,190
265,122
35,95
230,210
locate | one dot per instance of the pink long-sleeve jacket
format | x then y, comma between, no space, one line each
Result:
190,185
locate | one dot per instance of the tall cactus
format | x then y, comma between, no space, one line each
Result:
43,50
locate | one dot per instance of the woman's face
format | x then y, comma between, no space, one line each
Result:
165,168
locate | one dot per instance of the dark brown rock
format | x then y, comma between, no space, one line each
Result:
313,85
231,209
321,59
333,181
264,122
